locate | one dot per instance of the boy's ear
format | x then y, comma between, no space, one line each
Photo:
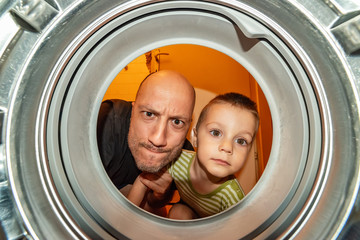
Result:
194,137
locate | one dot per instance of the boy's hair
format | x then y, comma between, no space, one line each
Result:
235,99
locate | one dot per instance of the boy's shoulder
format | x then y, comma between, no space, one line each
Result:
187,152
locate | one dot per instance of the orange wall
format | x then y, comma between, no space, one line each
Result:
206,68
126,83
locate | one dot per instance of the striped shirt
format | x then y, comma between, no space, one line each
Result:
226,195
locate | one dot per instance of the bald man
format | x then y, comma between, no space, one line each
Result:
142,137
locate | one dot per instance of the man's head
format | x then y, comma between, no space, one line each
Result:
160,119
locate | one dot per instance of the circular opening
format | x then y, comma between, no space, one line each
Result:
211,73
71,135
51,108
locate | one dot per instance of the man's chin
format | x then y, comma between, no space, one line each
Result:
153,162
149,168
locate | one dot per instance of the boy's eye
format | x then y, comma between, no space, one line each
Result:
215,133
241,141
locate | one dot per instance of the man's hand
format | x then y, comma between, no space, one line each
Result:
159,184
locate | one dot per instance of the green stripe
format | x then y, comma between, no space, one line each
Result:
205,205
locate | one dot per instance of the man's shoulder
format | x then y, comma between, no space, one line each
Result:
116,104
115,109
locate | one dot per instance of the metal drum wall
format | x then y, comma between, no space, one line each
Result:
58,58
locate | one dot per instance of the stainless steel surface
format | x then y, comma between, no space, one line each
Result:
304,55
36,14
348,35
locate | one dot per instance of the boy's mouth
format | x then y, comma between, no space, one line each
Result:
221,162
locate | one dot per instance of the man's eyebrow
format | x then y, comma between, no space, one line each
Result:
150,109
147,107
182,117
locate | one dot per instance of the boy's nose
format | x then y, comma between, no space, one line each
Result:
226,146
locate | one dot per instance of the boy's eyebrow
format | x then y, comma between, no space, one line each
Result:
252,135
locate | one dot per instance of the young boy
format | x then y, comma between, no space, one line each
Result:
224,134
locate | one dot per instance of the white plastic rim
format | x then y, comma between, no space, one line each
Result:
54,183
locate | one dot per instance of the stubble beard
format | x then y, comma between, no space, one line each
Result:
137,147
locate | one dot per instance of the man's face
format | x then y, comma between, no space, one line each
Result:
159,123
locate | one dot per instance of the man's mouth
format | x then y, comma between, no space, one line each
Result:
154,149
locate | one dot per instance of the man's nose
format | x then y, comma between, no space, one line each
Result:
158,135
226,146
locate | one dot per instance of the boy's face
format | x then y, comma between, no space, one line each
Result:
224,139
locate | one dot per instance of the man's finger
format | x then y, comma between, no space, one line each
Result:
156,183
155,186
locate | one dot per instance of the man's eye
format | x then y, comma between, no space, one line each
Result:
148,114
215,133
242,141
177,122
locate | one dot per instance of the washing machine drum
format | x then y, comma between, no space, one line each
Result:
59,57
